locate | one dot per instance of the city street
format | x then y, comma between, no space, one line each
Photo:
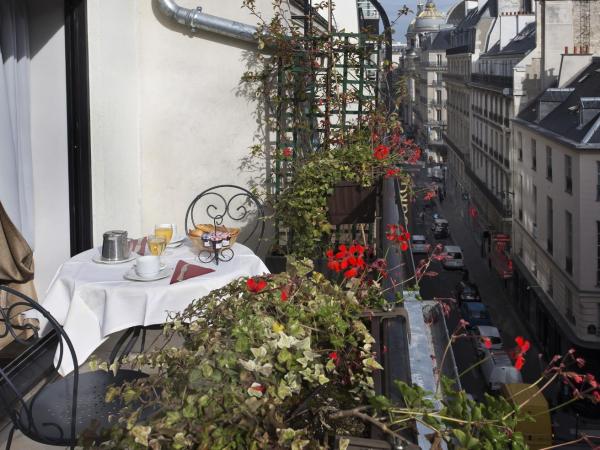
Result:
493,292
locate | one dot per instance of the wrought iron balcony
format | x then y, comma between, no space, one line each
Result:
495,80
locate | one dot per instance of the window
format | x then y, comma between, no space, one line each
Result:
439,60
438,113
598,253
569,307
568,175
533,155
548,163
535,206
438,97
521,198
520,145
598,181
569,243
549,226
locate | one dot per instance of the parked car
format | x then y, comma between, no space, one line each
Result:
483,332
419,244
440,228
453,258
476,314
498,370
466,291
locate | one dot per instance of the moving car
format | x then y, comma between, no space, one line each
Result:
498,370
466,291
482,332
476,314
453,258
419,244
536,431
440,228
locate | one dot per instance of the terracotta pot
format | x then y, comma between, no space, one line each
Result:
352,203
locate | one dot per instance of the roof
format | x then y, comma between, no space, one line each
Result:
463,35
570,115
521,44
441,41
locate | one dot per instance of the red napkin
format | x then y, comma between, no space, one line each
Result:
185,271
138,245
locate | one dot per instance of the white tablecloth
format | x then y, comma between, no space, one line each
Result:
93,300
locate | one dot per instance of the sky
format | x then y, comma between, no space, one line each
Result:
392,7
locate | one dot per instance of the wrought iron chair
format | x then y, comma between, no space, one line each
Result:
62,408
226,204
219,205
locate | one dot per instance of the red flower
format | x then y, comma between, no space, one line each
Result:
392,172
486,342
519,362
351,273
596,397
523,344
287,152
381,152
334,356
256,286
284,296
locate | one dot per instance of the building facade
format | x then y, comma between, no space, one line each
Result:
556,225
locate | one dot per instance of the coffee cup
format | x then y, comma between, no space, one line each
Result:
147,266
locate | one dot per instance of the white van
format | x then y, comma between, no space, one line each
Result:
498,370
453,258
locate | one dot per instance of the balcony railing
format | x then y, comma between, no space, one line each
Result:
495,80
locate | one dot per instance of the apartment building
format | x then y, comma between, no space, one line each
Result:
556,221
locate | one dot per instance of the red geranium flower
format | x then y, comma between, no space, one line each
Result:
381,152
256,286
287,152
487,342
334,356
284,296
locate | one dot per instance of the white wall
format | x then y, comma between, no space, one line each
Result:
166,119
49,139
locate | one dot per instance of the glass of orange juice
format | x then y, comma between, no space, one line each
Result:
157,245
164,230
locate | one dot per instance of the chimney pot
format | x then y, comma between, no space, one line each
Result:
566,50
575,50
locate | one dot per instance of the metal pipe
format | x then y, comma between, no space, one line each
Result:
196,20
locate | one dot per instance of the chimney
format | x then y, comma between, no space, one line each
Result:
566,50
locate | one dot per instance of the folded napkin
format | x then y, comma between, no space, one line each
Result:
138,245
185,271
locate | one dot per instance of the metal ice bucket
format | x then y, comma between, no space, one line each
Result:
115,245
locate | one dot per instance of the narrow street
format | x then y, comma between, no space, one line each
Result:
493,292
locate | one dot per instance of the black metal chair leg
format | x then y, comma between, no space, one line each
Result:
10,438
143,340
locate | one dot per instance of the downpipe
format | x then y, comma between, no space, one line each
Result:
196,20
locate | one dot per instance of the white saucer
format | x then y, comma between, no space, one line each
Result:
133,276
176,241
162,266
100,260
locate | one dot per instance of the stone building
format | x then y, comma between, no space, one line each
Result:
556,221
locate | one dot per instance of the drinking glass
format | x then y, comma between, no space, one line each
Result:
157,244
165,230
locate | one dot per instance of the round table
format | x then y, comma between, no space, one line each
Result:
92,301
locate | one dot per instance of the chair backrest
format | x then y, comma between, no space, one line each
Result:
12,397
230,206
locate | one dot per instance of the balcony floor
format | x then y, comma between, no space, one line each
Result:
21,442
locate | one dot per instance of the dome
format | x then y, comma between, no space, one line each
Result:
430,19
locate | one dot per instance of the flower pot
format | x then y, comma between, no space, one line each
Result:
352,203
276,263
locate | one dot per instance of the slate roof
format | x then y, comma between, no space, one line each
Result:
521,44
462,34
441,41
576,119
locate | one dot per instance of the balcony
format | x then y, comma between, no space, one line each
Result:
500,81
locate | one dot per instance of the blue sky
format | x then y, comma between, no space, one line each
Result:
392,7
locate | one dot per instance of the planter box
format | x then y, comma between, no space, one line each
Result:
352,203
276,263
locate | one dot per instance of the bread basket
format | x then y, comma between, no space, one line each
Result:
203,245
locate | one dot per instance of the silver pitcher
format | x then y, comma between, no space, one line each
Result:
115,245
